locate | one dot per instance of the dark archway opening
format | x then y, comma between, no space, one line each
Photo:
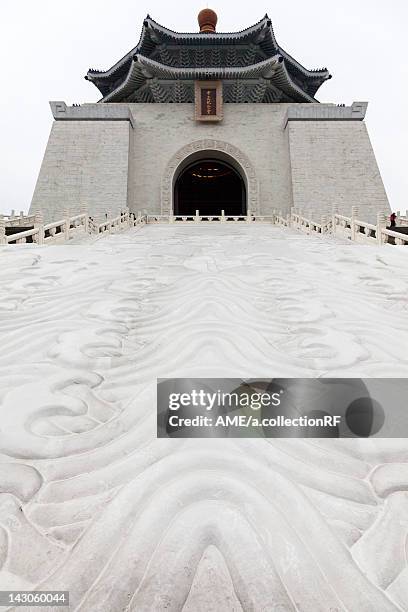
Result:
209,186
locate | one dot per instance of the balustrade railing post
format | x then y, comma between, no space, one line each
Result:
292,219
67,224
2,231
127,216
248,216
323,222
39,223
197,216
223,216
381,223
354,215
334,219
84,211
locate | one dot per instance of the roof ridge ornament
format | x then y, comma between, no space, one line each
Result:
207,20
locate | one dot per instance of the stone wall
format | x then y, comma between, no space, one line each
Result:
85,163
333,164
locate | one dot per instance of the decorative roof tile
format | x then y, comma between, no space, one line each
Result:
186,56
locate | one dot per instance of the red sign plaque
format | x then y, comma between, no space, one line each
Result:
208,100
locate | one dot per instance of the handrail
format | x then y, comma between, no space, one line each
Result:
399,238
12,220
365,224
65,229
21,235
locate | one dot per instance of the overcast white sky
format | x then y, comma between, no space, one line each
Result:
47,47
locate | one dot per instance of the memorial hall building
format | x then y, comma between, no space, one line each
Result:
209,121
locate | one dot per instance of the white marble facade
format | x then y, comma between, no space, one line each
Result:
310,156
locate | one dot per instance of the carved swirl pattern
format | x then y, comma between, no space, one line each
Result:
92,502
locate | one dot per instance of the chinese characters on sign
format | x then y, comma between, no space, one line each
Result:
208,100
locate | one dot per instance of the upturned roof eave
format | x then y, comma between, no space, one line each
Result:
140,65
103,74
321,73
149,22
264,24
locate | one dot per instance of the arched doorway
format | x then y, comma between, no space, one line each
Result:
210,186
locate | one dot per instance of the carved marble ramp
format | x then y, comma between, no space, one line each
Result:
93,503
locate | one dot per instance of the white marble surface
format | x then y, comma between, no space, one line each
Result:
92,502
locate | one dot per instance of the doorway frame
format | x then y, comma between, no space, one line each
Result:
217,149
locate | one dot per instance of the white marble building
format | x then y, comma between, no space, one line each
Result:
263,142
